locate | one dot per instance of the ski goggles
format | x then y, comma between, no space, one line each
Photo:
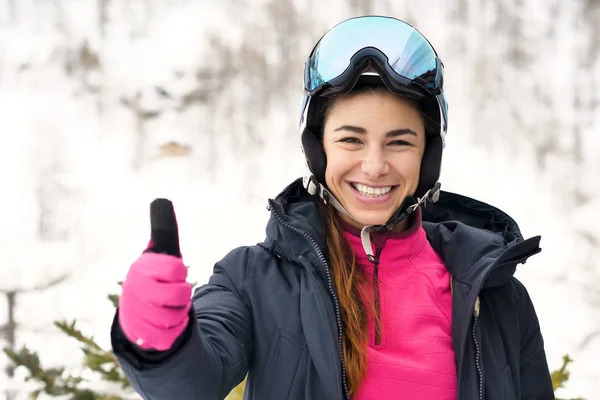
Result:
404,57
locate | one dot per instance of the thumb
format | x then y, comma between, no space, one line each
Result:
164,236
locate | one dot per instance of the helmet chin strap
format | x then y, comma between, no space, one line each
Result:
409,205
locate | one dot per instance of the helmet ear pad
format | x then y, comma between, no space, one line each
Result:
314,153
430,165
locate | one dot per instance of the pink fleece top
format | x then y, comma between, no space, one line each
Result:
412,357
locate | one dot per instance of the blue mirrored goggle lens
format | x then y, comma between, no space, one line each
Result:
409,54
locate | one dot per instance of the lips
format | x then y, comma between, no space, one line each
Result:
372,200
372,191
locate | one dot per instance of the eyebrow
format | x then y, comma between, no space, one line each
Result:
363,131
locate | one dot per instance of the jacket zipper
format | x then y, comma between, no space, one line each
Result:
476,310
477,351
376,296
338,319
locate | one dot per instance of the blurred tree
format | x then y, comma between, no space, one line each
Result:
99,365
362,7
102,16
9,329
43,238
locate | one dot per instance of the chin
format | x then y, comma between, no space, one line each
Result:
363,219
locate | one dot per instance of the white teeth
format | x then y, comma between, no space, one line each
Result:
369,191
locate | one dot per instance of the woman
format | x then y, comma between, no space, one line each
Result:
371,284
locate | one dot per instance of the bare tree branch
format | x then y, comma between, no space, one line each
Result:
588,339
102,16
41,287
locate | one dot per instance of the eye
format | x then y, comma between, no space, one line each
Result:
350,139
400,143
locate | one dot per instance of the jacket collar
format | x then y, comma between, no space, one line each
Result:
398,245
472,237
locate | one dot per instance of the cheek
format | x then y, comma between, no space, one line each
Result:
335,168
409,167
339,165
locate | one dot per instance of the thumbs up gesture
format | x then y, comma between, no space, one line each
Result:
164,235
156,299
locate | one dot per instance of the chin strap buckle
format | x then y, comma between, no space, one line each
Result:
313,187
432,195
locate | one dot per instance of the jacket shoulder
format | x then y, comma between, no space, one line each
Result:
524,305
240,263
513,299
513,292
518,290
510,298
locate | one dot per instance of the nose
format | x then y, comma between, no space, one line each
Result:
374,163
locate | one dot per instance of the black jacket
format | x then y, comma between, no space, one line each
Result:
271,311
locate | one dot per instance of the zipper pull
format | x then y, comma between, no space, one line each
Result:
365,239
477,307
374,258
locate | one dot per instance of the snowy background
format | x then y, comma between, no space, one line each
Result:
107,104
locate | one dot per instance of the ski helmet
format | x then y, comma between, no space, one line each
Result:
374,50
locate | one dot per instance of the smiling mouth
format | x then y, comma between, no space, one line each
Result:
372,191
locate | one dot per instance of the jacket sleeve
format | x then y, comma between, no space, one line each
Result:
212,355
536,382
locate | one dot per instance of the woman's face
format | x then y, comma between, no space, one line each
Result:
374,143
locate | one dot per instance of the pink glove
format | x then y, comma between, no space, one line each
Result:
156,299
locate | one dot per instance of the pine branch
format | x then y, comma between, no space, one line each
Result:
96,359
56,382
53,381
75,333
561,376
114,299
30,360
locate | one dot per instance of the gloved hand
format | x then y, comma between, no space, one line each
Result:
156,299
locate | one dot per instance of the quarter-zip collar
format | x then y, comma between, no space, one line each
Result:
407,244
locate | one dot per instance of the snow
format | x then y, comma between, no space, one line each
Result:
80,149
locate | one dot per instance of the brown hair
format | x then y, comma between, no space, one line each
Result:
349,279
